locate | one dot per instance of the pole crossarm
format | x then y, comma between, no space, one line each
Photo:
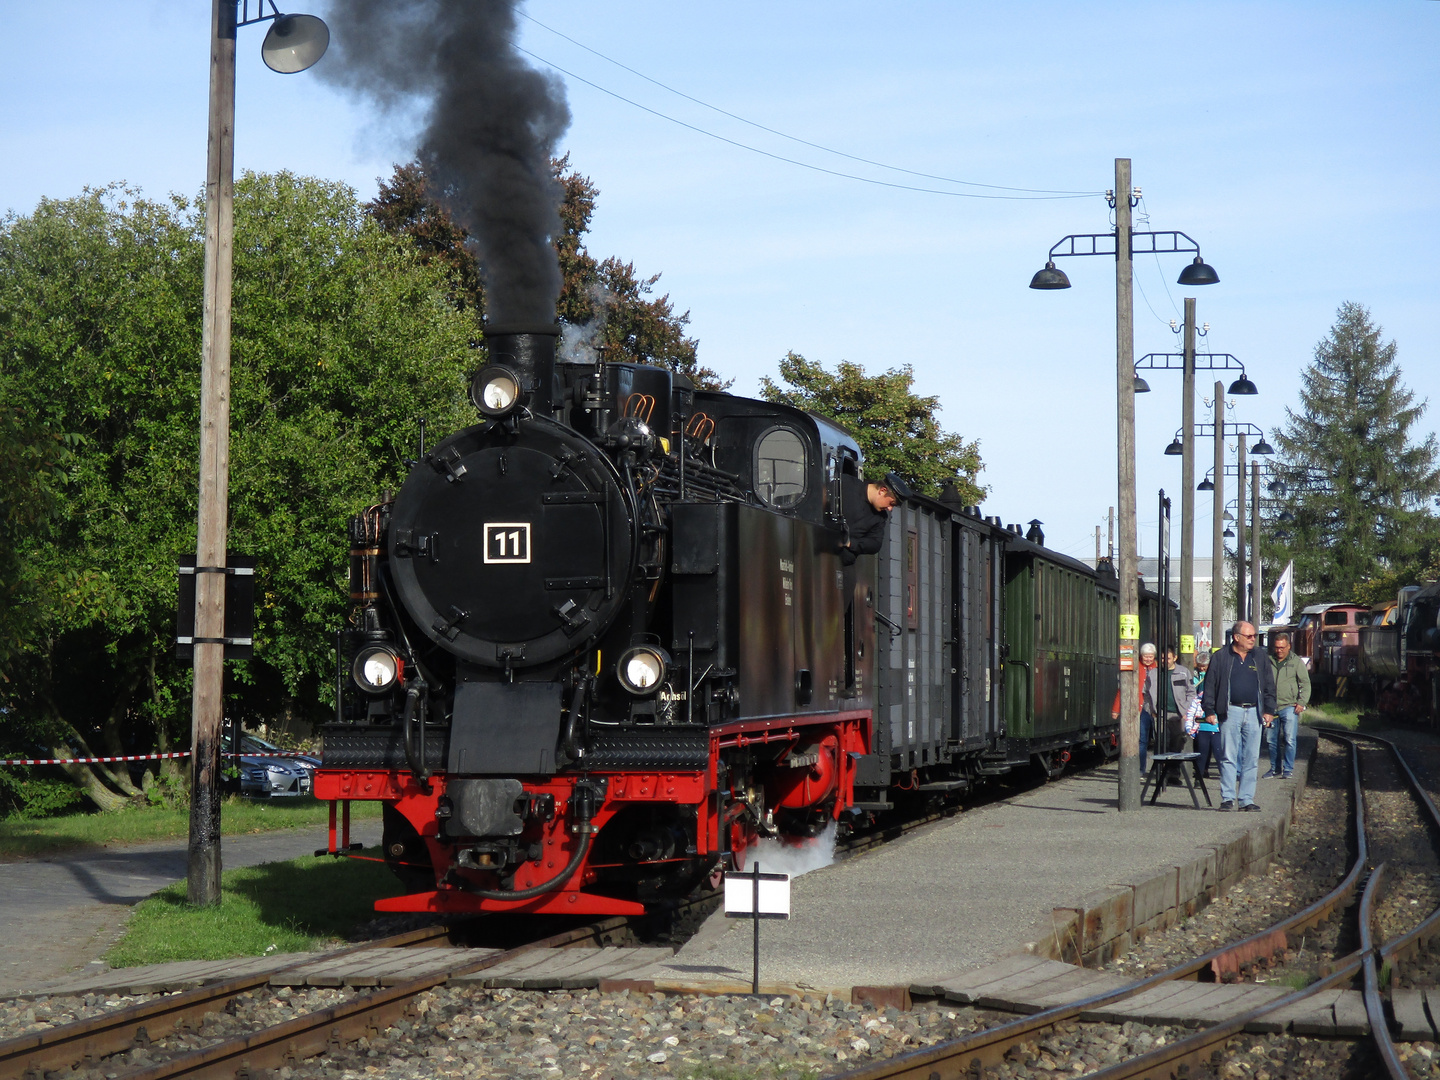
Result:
1149,362
1233,427
246,19
1097,242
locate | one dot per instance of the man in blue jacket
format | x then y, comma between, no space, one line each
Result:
1239,694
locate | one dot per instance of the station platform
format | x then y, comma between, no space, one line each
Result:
1056,873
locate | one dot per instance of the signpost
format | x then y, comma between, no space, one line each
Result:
757,896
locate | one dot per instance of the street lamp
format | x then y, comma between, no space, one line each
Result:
1189,361
1214,482
1122,244
294,43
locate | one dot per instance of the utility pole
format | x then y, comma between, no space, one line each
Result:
1217,527
1186,645
1242,606
1110,537
1097,545
1129,794
208,703
1257,605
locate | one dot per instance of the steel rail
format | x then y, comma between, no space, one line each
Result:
963,1058
1405,944
71,1044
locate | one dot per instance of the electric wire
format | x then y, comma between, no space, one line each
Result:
796,138
794,161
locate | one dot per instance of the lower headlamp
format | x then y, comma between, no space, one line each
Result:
642,669
376,669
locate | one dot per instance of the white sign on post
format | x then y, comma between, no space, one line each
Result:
774,895
757,896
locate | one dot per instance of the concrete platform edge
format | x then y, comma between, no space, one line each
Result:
1105,924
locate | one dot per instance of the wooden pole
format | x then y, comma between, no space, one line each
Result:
1257,604
1186,645
1217,528
1129,785
208,703
1242,607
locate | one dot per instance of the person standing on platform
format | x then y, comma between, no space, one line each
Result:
1207,734
1292,697
1147,679
1239,694
1173,696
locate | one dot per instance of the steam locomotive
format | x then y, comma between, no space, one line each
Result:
601,642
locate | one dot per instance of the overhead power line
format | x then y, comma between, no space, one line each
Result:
1024,194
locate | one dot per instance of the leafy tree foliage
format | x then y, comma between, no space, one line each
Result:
605,306
1360,486
896,428
341,338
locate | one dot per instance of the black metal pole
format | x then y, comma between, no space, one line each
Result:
755,913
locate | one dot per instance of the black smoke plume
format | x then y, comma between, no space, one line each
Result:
491,123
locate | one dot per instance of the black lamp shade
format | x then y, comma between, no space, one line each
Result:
1141,386
1198,272
1262,448
1229,532
1205,485
1282,535
1175,449
1286,517
1243,387
1050,277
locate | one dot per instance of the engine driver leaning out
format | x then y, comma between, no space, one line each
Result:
864,508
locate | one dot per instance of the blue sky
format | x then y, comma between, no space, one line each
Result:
1297,143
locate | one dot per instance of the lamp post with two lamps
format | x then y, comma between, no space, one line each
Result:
1121,243
1215,482
1190,362
293,43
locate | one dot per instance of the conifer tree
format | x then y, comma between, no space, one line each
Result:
1361,486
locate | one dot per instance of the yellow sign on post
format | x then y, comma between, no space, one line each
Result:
1129,627
1187,643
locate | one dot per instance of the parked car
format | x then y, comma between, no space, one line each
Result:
265,774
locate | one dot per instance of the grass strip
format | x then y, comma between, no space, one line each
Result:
1341,714
133,825
292,906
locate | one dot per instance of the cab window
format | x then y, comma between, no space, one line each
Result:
780,468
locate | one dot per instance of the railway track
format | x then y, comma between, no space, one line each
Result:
1188,1056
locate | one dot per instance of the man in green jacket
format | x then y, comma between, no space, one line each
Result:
1292,695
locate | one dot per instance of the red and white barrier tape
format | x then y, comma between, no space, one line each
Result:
149,757
91,760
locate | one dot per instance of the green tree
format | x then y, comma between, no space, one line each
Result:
606,308
341,339
896,428
1360,486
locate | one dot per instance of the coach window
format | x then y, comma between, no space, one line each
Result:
780,468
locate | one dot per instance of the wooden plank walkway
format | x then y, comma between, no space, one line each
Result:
1028,984
158,978
548,969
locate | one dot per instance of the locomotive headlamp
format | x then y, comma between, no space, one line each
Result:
642,669
495,391
376,670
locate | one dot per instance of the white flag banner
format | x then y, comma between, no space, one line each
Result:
1283,595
